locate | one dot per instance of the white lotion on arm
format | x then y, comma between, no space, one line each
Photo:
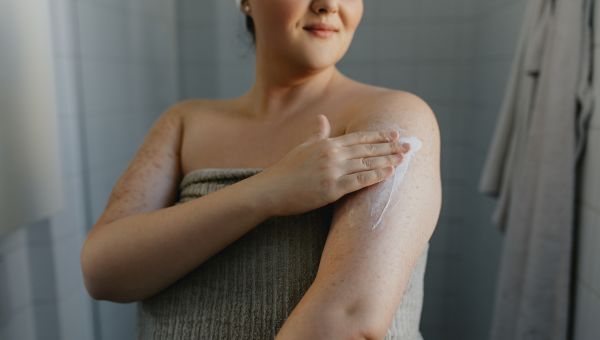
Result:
385,190
392,186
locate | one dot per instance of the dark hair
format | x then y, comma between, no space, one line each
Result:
250,28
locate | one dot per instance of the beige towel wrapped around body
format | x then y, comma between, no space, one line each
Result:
247,290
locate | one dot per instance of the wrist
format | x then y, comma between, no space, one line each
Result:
261,196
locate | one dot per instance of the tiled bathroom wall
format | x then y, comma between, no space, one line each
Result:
117,70
128,59
197,27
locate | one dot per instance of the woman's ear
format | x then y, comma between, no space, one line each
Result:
244,6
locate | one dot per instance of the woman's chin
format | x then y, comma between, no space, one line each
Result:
319,62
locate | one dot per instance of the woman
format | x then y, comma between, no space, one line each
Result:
301,209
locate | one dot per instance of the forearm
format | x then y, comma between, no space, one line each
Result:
137,256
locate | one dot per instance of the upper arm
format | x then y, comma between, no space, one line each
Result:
366,270
150,181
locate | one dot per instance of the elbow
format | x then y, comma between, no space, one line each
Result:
98,284
97,289
319,321
370,323
370,330
359,324
372,334
362,331
92,278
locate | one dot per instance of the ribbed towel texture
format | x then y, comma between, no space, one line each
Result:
247,290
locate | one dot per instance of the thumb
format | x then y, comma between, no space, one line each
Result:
323,129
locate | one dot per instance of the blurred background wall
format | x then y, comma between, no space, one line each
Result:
121,63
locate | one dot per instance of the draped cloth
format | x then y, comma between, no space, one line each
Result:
531,168
30,168
248,289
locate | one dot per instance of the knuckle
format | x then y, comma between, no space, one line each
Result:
370,148
361,178
366,162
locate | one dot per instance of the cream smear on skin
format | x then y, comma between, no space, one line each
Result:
386,197
391,187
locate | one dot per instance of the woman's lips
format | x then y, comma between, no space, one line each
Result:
321,33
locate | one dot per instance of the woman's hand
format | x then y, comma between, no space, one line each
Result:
322,169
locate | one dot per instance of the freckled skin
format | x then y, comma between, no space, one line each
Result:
374,265
156,166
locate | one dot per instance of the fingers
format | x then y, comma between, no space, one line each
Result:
362,137
372,150
370,163
359,180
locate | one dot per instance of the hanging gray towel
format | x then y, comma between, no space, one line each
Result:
531,168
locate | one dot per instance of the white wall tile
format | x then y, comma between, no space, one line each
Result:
75,318
20,325
47,321
106,86
42,274
71,220
397,10
16,291
393,42
437,40
104,31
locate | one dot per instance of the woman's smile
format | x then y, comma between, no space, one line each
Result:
321,30
320,33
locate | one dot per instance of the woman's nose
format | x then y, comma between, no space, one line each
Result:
325,6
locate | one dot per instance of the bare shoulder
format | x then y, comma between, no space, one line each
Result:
406,112
193,108
393,106
385,109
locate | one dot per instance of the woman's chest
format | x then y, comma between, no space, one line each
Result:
221,141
